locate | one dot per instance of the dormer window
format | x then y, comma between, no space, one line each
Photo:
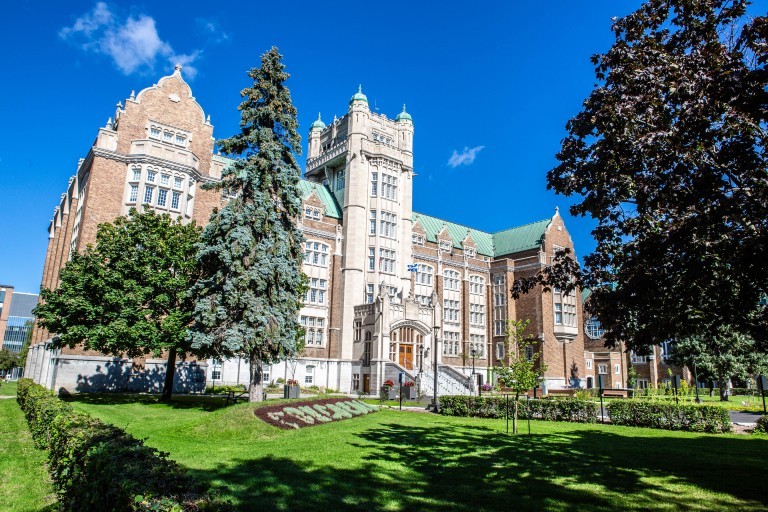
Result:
311,212
168,134
417,239
445,245
470,252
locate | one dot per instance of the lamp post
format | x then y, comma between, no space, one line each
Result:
473,353
435,404
696,378
421,358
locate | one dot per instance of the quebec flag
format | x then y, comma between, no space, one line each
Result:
413,267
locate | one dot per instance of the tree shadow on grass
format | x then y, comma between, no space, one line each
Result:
458,468
200,402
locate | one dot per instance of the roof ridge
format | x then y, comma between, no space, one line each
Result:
522,226
454,223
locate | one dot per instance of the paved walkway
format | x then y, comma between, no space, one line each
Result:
744,418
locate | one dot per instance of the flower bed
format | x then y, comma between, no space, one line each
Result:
314,412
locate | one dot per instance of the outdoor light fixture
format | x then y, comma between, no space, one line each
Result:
435,404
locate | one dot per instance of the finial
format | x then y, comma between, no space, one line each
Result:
177,67
133,95
557,209
403,107
318,117
208,119
335,118
360,89
109,123
119,104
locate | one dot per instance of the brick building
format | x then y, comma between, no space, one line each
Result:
388,286
15,317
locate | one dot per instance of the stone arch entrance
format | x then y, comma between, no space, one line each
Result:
406,345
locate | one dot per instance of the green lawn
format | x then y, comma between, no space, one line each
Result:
395,460
7,388
24,482
735,403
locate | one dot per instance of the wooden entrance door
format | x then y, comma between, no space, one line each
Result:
406,356
366,383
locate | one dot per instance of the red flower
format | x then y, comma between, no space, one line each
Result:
388,383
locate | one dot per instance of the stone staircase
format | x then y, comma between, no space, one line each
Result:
449,381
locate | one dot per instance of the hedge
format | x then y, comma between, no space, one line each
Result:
695,418
548,409
96,466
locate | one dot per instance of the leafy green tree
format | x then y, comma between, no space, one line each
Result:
723,354
522,370
30,325
249,294
669,156
130,293
8,360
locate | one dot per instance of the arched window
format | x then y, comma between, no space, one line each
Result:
316,253
452,279
593,328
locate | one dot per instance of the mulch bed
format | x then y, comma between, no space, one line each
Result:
307,413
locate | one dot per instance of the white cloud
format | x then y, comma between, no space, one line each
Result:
466,157
133,43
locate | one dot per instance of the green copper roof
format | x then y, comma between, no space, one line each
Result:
318,123
331,206
521,238
585,293
359,96
404,116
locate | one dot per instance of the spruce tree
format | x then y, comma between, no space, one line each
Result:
251,252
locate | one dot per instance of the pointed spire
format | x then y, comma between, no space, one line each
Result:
177,68
109,124
403,107
360,89
208,119
133,95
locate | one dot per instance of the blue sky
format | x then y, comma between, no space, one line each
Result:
490,86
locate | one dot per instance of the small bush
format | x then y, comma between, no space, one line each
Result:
96,466
669,416
223,390
762,425
548,409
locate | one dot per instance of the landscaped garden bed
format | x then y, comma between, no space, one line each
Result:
312,412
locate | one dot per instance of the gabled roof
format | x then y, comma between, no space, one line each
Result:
508,241
521,238
332,208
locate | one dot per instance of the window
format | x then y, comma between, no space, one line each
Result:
316,253
175,199
309,375
602,369
368,335
594,329
367,353
476,285
177,182
470,252
316,292
167,136
636,359
265,373
389,187
445,245
451,343
136,173
180,139
500,350
341,179
369,294
617,369
641,383
216,369
565,308
355,381
312,213
133,194
529,352
371,259
388,225
499,328
589,364
165,179
154,132
424,300
476,314
314,330
374,183
386,260
477,346
162,195
372,230
452,279
151,176
148,194
666,349
358,330
499,291
424,274
417,239
451,311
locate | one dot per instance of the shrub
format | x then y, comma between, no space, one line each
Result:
762,425
548,409
97,466
236,388
669,416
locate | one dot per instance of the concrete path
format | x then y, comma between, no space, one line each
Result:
744,418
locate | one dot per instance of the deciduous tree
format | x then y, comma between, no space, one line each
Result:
249,295
129,294
668,155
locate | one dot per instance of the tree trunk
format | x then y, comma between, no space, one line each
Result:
514,418
723,384
254,388
170,371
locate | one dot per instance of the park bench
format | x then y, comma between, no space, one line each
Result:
615,393
235,397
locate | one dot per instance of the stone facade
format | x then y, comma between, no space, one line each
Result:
391,291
